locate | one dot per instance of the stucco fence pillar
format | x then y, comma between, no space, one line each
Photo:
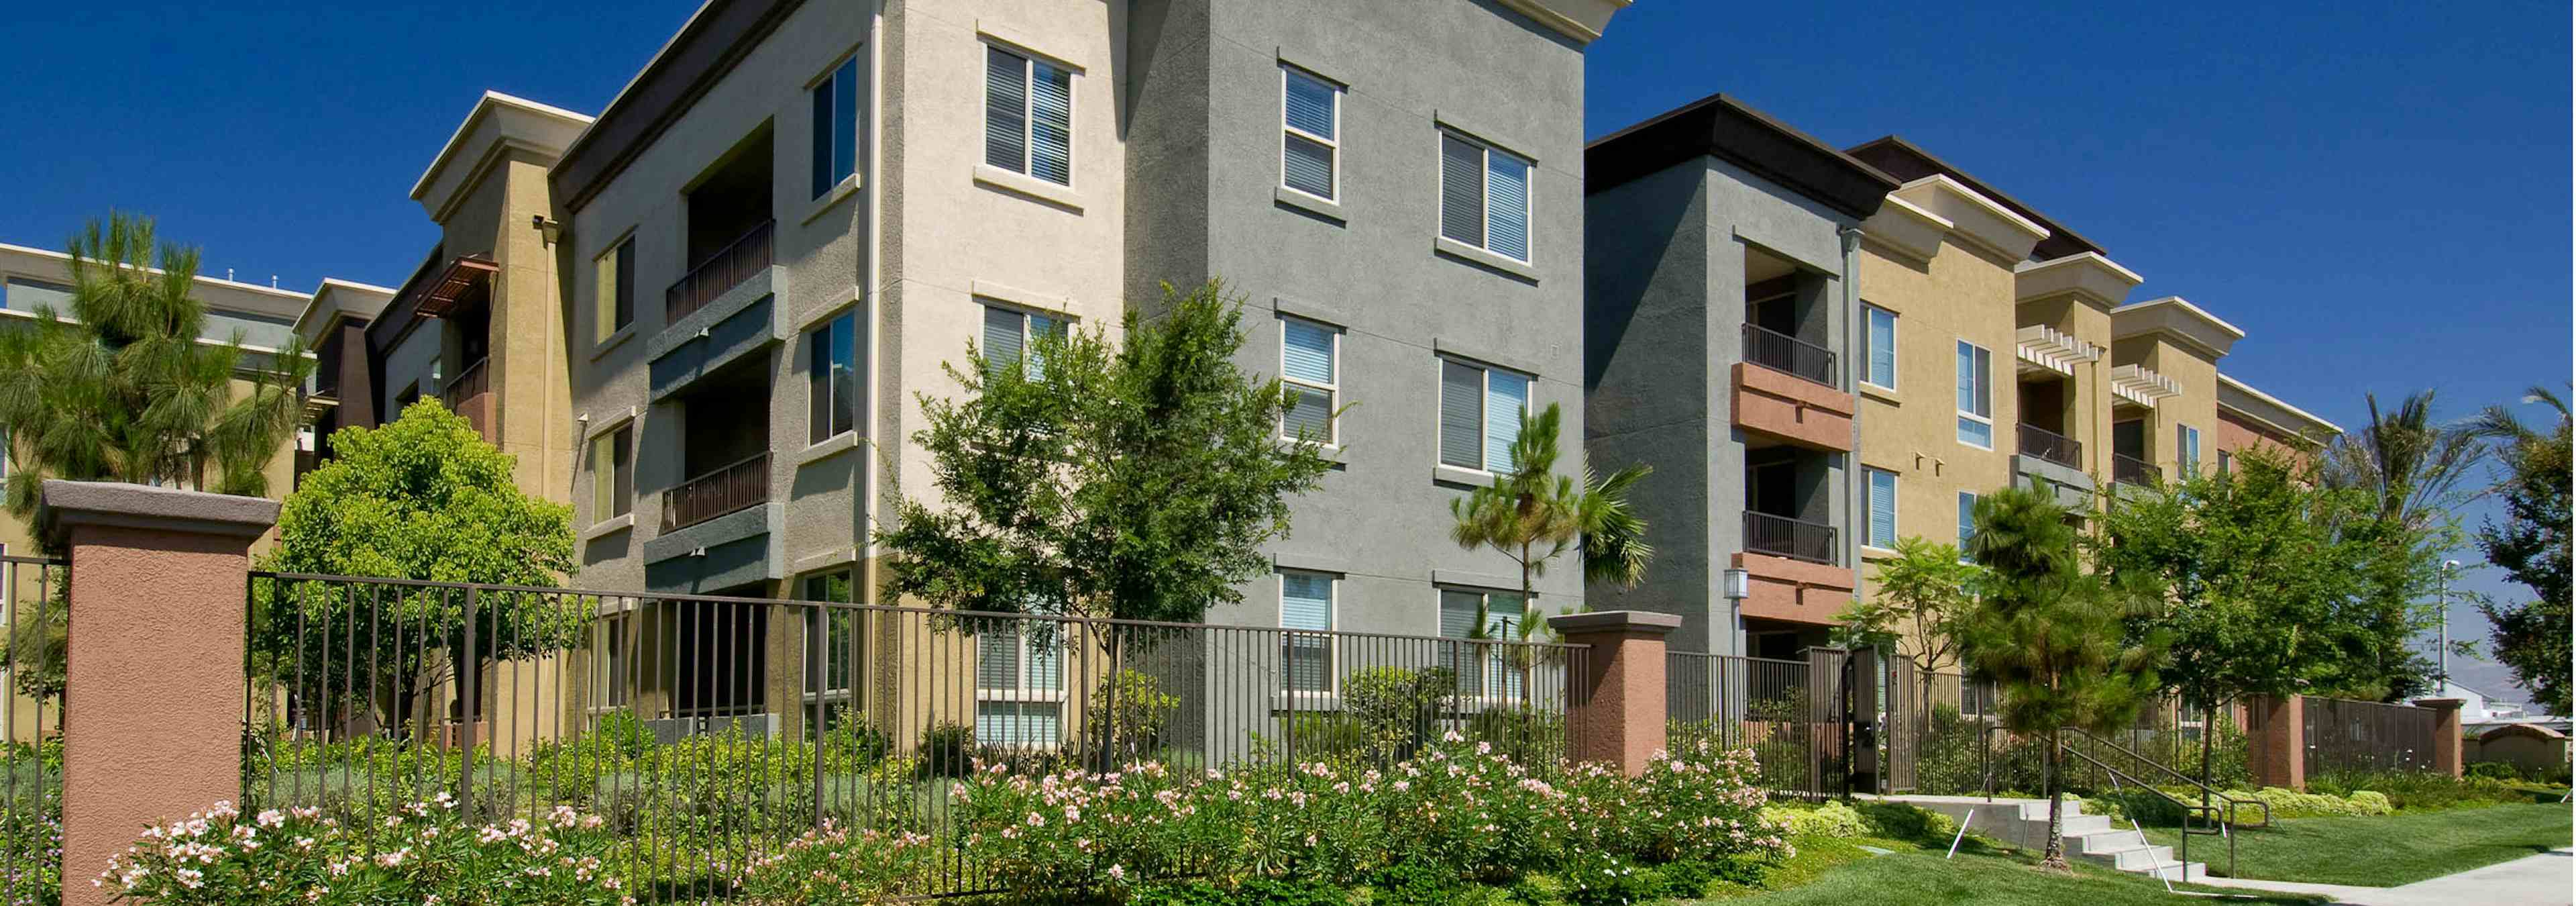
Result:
2280,743
2446,732
1618,712
153,673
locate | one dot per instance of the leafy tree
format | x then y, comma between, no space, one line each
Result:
2049,631
1921,596
2410,465
2531,637
121,388
1135,481
422,498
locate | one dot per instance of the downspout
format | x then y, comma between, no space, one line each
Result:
1855,509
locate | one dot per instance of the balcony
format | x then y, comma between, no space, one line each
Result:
724,270
470,395
739,486
2051,446
1788,355
1781,536
2132,470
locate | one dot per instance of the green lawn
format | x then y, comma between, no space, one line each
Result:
2388,850
1837,873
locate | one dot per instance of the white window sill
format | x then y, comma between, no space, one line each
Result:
848,186
1033,187
1881,394
610,527
830,447
1305,701
614,340
1020,696
1319,206
1874,552
1445,472
1460,250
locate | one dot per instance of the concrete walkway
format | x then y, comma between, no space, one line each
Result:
2548,879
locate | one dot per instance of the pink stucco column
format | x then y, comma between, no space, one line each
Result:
1618,711
2281,744
154,688
2446,732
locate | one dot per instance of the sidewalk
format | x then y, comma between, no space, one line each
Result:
2543,880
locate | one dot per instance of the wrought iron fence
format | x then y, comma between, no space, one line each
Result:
724,270
2346,735
32,597
1790,713
1789,355
709,729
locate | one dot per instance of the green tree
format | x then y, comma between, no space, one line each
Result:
1135,481
1531,515
422,498
2532,637
1615,550
1920,597
122,388
2049,630
2410,465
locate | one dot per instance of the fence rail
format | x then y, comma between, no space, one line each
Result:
724,270
1789,355
32,614
728,488
2051,446
1790,713
1796,539
2346,735
707,729
2132,470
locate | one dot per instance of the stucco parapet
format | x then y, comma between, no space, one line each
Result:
1615,621
107,503
1799,572
1795,389
2099,281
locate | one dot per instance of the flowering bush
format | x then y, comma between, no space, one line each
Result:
31,850
834,866
424,853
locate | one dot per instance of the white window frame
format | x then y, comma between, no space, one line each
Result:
1975,352
1869,500
1332,391
1895,354
2186,436
1022,691
858,631
829,81
1029,61
1967,524
1287,72
1332,651
1485,196
1484,398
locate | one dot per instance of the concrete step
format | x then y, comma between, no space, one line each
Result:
2177,872
2109,841
2133,859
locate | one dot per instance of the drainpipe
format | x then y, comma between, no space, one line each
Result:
1856,339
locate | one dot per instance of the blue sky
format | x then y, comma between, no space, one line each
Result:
2376,193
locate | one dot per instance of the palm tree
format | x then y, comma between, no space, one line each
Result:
2408,463
1615,551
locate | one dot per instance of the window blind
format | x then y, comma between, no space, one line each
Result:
1002,346
1507,205
1462,415
1307,162
1306,603
1006,105
1506,397
1051,124
1308,352
1462,190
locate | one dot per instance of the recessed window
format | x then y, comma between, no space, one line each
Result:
1480,415
610,660
2186,451
1484,196
1882,508
1306,606
842,642
612,474
1490,616
613,289
1882,347
1976,396
1011,339
1310,145
1028,116
836,127
832,378
2226,463
1310,363
1967,524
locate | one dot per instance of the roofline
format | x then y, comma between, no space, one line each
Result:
2069,260
270,351
2230,383
482,107
2194,310
729,29
2055,229
332,283
219,281
1724,127
631,81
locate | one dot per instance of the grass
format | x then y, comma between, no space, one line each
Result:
1839,873
2387,850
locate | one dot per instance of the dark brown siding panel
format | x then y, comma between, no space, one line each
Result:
705,50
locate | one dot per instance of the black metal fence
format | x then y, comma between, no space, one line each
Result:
723,270
1790,713
706,729
1789,355
32,596
2051,446
1796,539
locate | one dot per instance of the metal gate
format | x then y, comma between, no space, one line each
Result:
1836,723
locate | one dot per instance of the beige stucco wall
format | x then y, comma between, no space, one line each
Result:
2088,390
1961,293
2197,406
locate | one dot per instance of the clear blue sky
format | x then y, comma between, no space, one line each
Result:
2377,193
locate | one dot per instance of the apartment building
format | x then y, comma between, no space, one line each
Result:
2249,418
341,392
1723,299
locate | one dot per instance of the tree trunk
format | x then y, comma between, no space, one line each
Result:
2208,731
2054,858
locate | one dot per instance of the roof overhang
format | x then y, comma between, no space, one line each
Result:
1906,161
2242,399
2098,281
2050,350
460,281
718,35
498,122
1905,228
337,299
218,293
1974,218
1727,129
2142,385
1582,20
2174,319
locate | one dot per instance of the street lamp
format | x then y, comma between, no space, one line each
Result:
1739,586
2448,566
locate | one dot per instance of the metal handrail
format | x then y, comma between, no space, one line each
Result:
1788,355
2218,821
2206,790
2051,446
744,470
1790,537
721,271
2126,469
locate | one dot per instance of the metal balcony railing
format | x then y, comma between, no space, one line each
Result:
1781,536
2051,446
2132,470
729,488
721,271
1788,355
470,395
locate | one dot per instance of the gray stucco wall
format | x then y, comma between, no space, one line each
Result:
1204,170
1664,312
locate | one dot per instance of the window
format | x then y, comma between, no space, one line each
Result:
1310,118
1480,414
840,638
1976,396
1967,524
1010,338
1882,508
1310,360
29,294
2186,451
832,379
1019,683
609,666
1482,670
1306,605
1484,197
1882,347
612,474
1028,116
836,127
613,299
2226,464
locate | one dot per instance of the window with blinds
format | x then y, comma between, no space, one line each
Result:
1019,685
1882,347
1882,508
2186,451
612,474
1976,396
1482,670
1310,121
835,102
1306,605
1028,116
1480,414
1967,524
1010,340
1484,196
832,379
1310,364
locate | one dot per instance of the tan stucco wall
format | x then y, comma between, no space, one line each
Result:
1962,293
2197,407
2089,390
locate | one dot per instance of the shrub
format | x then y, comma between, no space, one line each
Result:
2428,791
1126,718
1600,878
1396,707
421,854
1254,892
2494,770
1527,735
31,849
948,750
1832,819
1913,824
832,866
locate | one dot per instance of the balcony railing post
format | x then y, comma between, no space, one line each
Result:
1783,536
1789,355
722,271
